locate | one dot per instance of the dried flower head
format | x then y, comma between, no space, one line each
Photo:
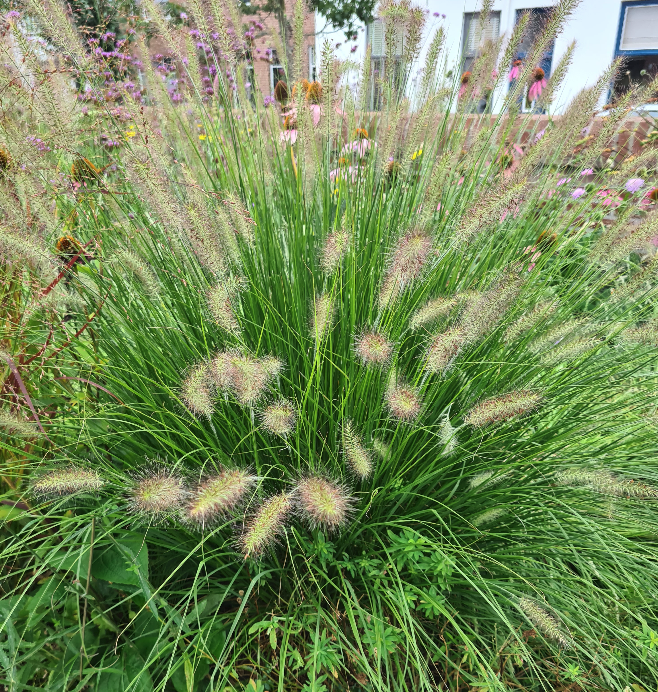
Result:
217,495
68,480
18,426
322,503
443,349
407,264
262,528
432,311
499,409
372,348
157,492
246,377
281,91
197,391
323,311
604,482
488,516
314,93
545,623
403,402
334,249
358,457
279,418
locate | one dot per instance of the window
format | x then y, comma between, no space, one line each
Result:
475,36
639,29
381,66
637,39
277,72
311,63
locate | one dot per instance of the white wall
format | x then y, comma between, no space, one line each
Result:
593,25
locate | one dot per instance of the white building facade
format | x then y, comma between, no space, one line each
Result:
602,30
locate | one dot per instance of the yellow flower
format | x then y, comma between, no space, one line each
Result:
416,154
130,134
202,137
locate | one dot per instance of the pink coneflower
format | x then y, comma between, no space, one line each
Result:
288,137
538,84
651,197
322,503
515,71
373,348
578,192
562,181
587,171
611,199
634,184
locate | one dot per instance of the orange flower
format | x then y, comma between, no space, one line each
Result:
281,91
314,93
361,133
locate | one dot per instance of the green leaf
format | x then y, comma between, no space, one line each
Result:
111,565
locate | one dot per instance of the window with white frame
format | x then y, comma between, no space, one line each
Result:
475,36
640,28
381,65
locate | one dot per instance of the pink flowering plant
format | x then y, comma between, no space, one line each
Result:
337,416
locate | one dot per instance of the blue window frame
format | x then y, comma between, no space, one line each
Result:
622,19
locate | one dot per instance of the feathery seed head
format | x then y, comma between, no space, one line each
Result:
480,479
334,249
157,492
218,495
646,334
246,377
410,255
432,311
372,348
141,270
322,503
443,349
488,516
17,426
197,391
403,403
447,437
279,418
604,482
68,480
322,316
383,449
568,351
502,408
483,313
545,622
530,319
359,458
262,528
560,333
221,300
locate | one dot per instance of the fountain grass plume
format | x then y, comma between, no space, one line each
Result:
605,482
14,424
488,516
279,418
499,409
547,624
432,311
261,529
323,312
322,503
334,249
402,401
359,458
243,375
157,493
217,495
197,390
407,263
67,481
373,348
443,349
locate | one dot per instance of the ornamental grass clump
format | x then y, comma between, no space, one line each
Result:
407,391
